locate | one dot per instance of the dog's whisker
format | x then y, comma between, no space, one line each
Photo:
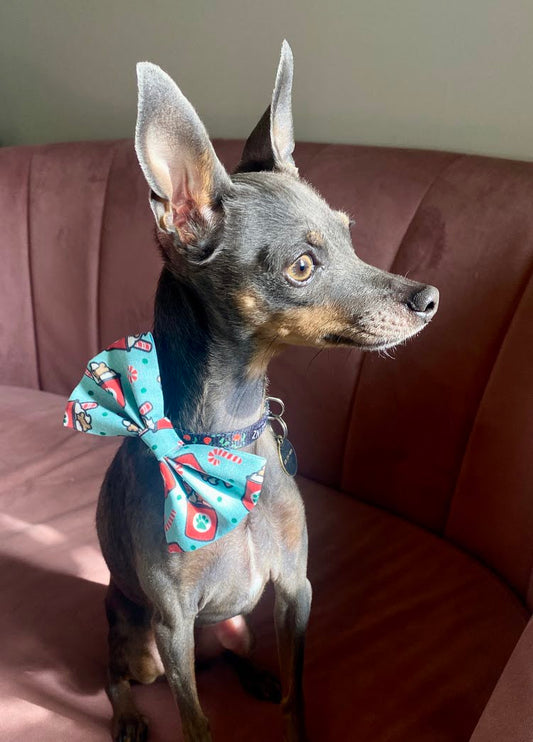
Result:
315,356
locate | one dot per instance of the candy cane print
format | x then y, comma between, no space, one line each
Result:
170,520
215,452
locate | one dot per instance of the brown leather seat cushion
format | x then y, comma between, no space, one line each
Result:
408,634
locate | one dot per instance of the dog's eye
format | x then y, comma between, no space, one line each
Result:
302,269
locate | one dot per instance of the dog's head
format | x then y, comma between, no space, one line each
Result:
261,245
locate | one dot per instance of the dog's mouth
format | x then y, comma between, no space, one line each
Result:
332,339
376,329
370,341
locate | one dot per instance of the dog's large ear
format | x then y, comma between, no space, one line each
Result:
186,178
271,143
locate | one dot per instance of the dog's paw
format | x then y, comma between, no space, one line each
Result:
130,727
256,681
263,685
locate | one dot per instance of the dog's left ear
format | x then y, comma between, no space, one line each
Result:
271,143
186,177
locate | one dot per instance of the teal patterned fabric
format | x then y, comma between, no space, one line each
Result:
208,489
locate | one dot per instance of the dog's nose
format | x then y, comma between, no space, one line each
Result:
424,302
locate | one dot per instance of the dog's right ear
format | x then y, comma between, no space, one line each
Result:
186,177
271,143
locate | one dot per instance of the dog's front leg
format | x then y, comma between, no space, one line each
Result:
174,633
292,607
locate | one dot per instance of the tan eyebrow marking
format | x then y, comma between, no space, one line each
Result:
344,218
315,238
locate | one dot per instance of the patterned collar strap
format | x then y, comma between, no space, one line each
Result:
235,438
209,488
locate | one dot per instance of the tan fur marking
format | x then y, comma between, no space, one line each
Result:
315,238
292,526
308,325
203,193
251,307
301,326
345,219
145,665
248,302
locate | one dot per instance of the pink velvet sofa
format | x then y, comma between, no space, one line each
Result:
417,471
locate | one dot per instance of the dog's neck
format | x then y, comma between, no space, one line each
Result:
203,359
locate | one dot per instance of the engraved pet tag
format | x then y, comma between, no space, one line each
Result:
287,456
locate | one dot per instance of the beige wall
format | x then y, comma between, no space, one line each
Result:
446,74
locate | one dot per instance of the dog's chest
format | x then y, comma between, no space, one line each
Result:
236,580
229,576
241,566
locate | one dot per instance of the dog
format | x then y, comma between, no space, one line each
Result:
252,261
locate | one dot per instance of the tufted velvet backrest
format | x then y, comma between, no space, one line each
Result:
442,434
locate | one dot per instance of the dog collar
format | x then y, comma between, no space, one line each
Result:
209,489
235,438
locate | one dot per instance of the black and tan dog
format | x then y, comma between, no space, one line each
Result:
252,262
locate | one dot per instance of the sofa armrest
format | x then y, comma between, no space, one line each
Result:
508,714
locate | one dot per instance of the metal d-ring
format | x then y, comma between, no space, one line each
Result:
277,416
286,452
277,400
283,425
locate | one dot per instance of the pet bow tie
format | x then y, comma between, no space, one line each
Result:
208,489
